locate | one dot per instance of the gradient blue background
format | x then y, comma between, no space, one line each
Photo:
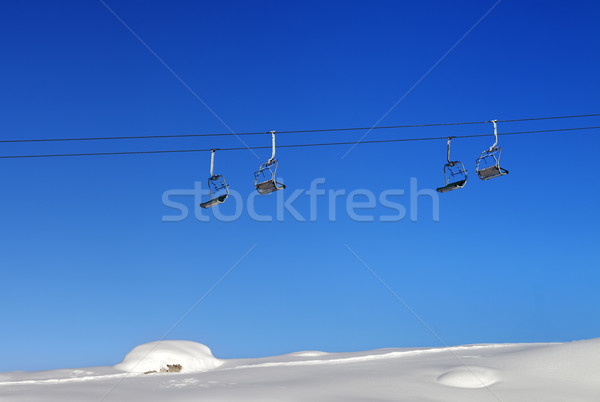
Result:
89,270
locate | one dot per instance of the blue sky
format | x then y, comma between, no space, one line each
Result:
92,270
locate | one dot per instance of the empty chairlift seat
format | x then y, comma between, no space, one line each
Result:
490,172
217,187
455,174
488,163
214,201
264,177
269,185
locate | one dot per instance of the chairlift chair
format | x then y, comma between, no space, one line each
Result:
217,187
455,174
488,163
264,178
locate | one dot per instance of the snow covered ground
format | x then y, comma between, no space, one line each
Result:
490,372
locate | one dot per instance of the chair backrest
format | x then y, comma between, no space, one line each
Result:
217,186
454,171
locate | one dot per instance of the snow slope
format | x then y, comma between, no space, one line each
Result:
495,372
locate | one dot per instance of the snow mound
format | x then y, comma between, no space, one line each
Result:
161,356
468,377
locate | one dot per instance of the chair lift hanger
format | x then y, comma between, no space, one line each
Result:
488,163
218,188
454,174
264,178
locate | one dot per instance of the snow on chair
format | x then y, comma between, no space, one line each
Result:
488,163
454,174
217,187
264,178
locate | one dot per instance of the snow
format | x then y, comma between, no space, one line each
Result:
157,356
488,372
469,377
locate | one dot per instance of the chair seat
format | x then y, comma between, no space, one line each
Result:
452,186
214,201
269,186
490,172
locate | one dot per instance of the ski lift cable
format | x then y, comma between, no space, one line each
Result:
290,145
141,137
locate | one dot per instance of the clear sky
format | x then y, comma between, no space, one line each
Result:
90,267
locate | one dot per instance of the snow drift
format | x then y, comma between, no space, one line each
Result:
550,372
162,356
